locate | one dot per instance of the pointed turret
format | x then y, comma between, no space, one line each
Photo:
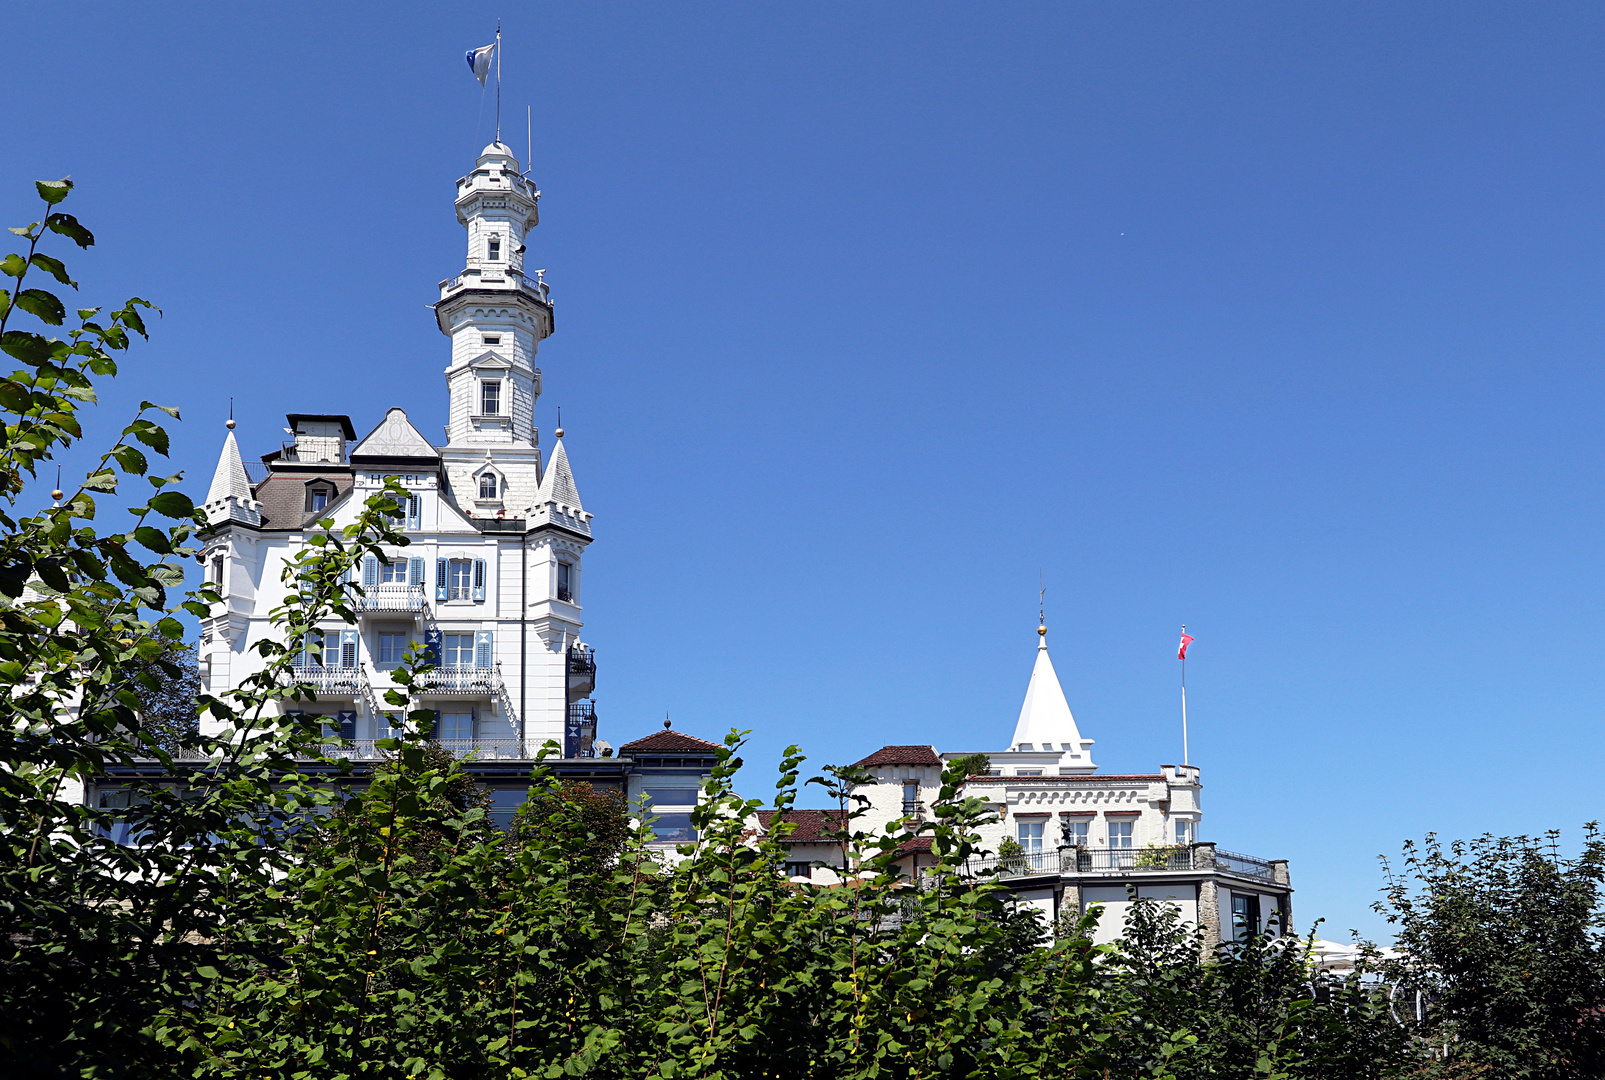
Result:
1045,721
229,497
557,486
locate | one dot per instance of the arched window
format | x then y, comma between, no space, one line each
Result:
487,486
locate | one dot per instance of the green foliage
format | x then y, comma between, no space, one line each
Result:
971,764
1503,938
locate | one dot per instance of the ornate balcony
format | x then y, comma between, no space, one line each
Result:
461,679
330,679
394,599
581,671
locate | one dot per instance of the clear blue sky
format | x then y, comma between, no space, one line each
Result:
1279,321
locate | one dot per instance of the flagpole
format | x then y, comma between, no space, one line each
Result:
498,81
1184,758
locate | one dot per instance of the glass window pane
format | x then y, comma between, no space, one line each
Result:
667,796
458,650
455,727
674,827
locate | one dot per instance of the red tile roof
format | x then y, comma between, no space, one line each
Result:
668,742
901,755
811,826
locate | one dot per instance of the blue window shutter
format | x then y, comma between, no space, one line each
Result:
440,580
370,571
348,648
415,570
414,513
348,724
432,645
482,648
479,579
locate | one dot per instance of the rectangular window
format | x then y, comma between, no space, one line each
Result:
387,726
458,650
1074,833
565,582
1029,772
799,869
1245,916
394,572
460,579
1120,833
493,249
312,654
490,397
911,796
504,804
455,728
393,648
493,339
317,499
674,829
1184,833
216,576
1029,836
671,796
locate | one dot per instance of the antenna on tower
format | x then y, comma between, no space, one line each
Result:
1042,607
498,82
529,139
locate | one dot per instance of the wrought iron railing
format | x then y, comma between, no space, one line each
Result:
329,677
1081,860
478,749
581,660
391,597
461,679
1246,865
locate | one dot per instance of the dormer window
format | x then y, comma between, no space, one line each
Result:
490,397
487,486
319,496
493,249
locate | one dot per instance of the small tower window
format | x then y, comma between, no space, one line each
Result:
493,249
490,397
487,486
318,497
493,339
565,582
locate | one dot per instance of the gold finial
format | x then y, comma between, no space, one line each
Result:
58,494
1042,611
230,424
559,434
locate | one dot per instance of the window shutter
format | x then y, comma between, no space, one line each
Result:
414,513
479,580
432,646
482,648
348,724
415,570
348,648
440,582
370,571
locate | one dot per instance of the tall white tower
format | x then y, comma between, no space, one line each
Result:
496,316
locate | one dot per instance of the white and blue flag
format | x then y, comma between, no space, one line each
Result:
479,61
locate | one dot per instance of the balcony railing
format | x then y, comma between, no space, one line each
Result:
1246,865
393,598
461,679
330,678
478,749
581,660
1080,860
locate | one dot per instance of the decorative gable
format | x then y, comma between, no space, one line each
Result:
395,437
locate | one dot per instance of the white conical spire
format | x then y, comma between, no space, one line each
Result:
229,481
1045,721
557,486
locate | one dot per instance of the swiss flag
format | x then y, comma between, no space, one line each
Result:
1186,640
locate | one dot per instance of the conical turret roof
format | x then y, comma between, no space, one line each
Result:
1045,721
229,480
557,486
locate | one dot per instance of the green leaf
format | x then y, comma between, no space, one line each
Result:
54,267
154,539
170,410
130,459
172,504
42,304
49,571
29,348
105,480
68,226
153,437
53,191
13,265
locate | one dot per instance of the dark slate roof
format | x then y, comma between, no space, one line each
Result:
811,826
901,755
337,418
668,742
284,497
